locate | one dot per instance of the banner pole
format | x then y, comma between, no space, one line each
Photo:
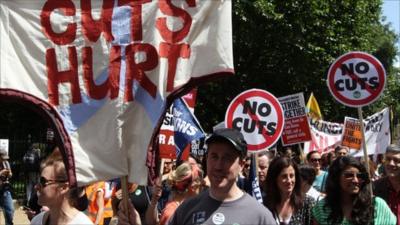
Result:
125,194
255,157
366,159
161,170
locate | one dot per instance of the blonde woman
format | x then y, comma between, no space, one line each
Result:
185,182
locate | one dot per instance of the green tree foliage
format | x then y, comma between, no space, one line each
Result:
287,46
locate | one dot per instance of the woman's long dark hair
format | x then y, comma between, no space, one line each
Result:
273,197
363,209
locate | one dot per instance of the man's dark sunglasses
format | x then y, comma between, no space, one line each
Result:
44,182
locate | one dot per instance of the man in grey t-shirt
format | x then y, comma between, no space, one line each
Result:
224,202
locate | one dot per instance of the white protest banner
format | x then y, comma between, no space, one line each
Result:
258,115
326,134
106,69
377,133
323,135
296,129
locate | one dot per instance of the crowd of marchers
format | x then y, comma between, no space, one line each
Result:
333,188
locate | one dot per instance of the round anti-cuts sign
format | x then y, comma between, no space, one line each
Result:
356,79
259,116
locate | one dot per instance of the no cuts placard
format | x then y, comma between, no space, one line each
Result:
259,116
356,79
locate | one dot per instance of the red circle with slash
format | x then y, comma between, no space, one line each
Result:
259,116
356,79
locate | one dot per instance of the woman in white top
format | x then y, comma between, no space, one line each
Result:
54,192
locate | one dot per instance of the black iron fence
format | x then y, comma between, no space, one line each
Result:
19,180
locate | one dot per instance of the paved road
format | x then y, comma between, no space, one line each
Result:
19,217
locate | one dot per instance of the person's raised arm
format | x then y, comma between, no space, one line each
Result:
152,215
128,216
100,205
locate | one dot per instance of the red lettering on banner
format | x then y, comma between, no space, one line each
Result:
56,77
68,8
312,145
112,83
172,52
136,17
135,71
316,144
322,143
169,9
114,70
91,28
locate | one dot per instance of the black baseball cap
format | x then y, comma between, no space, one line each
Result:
232,136
393,148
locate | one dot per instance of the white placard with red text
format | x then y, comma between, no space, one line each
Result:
296,129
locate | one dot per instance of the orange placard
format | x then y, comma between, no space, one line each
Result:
352,136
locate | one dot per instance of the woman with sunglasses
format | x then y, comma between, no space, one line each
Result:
314,159
284,196
348,200
54,192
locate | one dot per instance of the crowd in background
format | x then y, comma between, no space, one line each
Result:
333,188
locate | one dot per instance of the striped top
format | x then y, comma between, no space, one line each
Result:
382,213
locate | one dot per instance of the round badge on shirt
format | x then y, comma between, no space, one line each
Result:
218,218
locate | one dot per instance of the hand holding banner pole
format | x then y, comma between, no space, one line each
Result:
127,213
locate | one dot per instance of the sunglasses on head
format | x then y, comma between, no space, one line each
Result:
351,175
315,160
45,182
